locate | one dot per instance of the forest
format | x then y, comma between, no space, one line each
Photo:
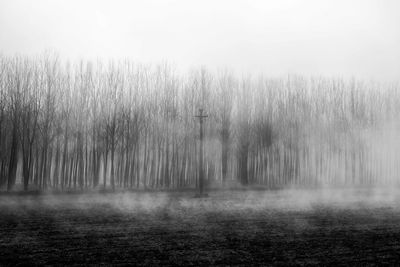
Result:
120,124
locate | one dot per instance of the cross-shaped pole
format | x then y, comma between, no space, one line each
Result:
201,116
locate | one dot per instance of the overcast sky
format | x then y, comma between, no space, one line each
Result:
330,37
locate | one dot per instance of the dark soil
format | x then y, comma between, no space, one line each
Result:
226,228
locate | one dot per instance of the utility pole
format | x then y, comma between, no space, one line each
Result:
201,116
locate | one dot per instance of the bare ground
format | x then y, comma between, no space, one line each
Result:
227,228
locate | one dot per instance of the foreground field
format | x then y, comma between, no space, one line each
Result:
227,228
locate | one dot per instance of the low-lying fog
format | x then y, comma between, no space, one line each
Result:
224,201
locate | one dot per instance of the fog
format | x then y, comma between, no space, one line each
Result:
185,205
199,133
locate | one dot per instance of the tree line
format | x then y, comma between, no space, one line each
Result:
125,125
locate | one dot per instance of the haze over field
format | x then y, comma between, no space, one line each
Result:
311,37
228,228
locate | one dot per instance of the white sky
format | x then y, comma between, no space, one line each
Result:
358,38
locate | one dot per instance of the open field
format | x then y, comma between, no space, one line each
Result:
227,228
